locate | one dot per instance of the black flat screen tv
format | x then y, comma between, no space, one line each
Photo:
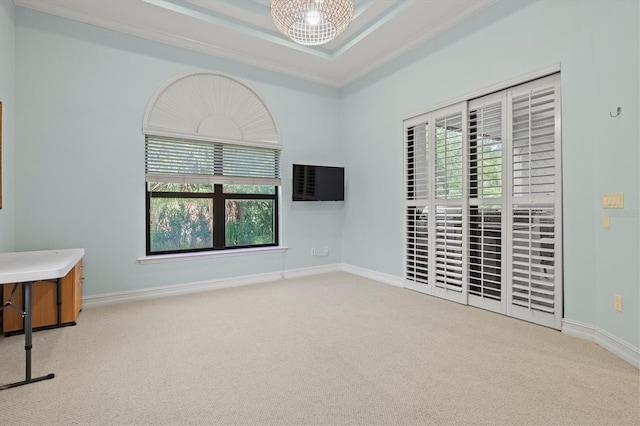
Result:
318,183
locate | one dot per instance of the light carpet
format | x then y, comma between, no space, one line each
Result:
334,349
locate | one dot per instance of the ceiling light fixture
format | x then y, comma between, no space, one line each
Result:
312,22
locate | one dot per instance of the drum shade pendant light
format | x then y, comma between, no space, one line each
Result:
312,22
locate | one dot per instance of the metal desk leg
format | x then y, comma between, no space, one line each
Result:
58,324
27,341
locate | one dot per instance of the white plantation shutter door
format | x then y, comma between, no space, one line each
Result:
417,210
487,127
483,202
535,203
450,227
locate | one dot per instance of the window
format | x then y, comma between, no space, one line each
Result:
483,202
212,166
185,217
210,196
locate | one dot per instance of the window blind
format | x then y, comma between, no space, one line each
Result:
192,161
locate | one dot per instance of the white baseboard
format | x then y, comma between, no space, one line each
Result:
314,270
187,288
178,289
374,275
603,338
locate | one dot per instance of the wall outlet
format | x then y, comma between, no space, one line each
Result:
617,303
313,251
326,250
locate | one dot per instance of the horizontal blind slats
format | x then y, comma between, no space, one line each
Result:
181,160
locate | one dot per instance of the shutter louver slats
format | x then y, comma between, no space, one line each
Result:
485,251
448,248
533,257
449,157
417,161
533,141
417,266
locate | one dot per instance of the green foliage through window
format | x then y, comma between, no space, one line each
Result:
249,222
181,223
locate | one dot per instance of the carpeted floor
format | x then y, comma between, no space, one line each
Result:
334,349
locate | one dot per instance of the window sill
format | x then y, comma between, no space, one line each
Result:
179,257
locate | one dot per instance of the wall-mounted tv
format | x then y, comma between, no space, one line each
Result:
318,183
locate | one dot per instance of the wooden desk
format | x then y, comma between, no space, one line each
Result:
26,268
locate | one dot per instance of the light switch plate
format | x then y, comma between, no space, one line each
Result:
606,221
613,201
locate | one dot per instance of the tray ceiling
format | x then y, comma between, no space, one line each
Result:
242,31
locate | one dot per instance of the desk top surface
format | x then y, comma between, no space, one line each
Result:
18,267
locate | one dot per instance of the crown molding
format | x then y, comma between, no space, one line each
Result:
332,68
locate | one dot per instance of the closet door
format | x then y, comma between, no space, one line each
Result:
487,206
448,225
534,199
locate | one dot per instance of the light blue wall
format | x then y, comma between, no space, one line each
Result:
616,80
596,43
7,97
82,92
79,150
